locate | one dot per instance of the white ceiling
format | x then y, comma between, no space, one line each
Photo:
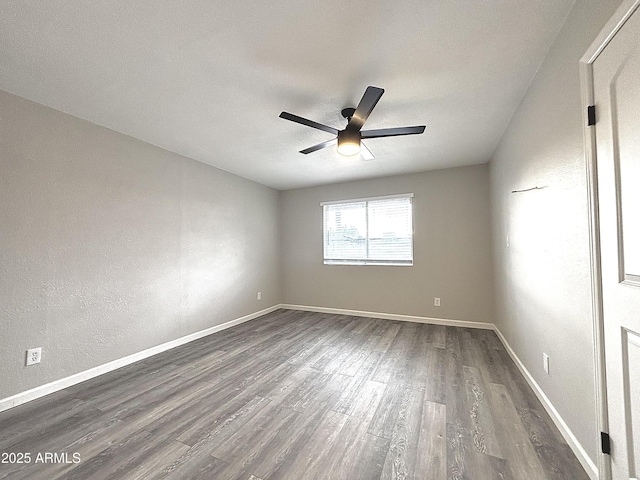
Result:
208,78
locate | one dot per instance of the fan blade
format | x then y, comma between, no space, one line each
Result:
364,108
365,152
308,123
392,132
320,146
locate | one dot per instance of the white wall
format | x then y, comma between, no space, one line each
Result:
543,301
109,245
452,249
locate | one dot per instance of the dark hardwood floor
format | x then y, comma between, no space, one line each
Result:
299,395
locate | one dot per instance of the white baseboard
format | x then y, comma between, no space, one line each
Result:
392,316
584,459
46,389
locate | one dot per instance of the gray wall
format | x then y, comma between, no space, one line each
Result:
109,245
452,249
543,299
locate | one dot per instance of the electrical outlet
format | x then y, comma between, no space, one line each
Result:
508,243
259,295
545,363
436,302
34,355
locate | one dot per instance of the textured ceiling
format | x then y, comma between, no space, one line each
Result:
208,79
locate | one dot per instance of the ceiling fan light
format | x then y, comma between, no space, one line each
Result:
347,149
348,142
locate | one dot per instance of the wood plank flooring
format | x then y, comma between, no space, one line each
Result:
299,395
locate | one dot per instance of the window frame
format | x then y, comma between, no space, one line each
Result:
387,262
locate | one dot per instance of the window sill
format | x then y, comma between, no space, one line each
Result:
383,264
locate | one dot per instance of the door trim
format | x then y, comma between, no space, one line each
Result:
618,19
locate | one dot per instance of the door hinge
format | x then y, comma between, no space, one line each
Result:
605,442
591,115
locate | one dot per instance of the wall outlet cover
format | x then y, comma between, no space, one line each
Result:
34,355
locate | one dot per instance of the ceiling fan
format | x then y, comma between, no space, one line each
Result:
349,140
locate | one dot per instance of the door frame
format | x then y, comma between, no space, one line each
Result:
618,19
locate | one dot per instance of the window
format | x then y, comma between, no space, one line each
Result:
369,231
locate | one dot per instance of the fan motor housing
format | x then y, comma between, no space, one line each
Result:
349,141
349,135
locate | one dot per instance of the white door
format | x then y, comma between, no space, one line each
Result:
616,76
